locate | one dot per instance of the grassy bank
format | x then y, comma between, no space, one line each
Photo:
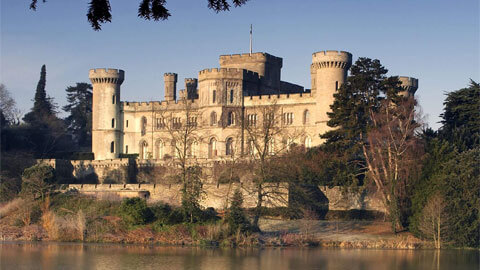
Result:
64,217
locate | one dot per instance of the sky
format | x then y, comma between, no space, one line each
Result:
436,41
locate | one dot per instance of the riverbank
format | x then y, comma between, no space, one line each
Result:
83,219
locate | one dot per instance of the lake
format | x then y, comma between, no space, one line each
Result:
28,255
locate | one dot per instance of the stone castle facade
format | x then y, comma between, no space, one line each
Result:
222,104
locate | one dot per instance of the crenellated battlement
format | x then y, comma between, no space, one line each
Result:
106,75
331,59
259,56
295,96
230,73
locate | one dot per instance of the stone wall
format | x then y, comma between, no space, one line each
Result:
216,196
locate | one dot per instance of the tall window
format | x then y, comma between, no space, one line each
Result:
113,122
176,123
160,123
192,121
126,124
336,85
229,147
126,149
114,99
269,119
144,150
252,120
144,125
231,119
213,119
160,145
214,96
289,143
212,148
306,117
271,147
194,149
308,142
112,147
231,96
287,118
252,150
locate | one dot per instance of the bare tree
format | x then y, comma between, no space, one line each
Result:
434,219
392,153
267,137
8,106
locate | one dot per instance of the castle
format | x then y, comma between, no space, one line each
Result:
222,102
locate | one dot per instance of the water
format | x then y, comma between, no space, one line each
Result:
16,255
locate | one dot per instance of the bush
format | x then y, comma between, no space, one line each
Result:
38,180
236,219
165,215
135,211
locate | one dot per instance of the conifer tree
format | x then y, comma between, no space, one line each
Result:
43,108
79,122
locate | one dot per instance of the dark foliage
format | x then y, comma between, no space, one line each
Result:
99,11
79,107
135,211
236,218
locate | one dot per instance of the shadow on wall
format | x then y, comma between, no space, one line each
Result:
308,198
85,174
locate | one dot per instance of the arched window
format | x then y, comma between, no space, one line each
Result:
271,147
144,125
229,147
113,122
231,96
194,149
159,151
214,96
112,147
252,150
144,150
231,119
308,142
306,117
212,148
213,119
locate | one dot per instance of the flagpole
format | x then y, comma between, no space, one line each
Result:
250,39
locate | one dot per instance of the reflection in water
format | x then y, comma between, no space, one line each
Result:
15,255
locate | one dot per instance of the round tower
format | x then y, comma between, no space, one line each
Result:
409,85
170,80
106,114
329,71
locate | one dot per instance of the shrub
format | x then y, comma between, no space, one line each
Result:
135,211
38,180
236,219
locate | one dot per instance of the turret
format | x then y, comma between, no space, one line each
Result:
191,88
170,80
106,116
409,85
329,72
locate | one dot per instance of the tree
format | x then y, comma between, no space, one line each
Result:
8,108
99,10
79,122
350,117
45,131
236,218
434,219
38,181
392,153
181,130
267,140
43,109
135,211
461,117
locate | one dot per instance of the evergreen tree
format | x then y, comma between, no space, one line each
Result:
79,122
461,117
43,109
236,218
354,104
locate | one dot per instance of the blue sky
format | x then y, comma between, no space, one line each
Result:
435,41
